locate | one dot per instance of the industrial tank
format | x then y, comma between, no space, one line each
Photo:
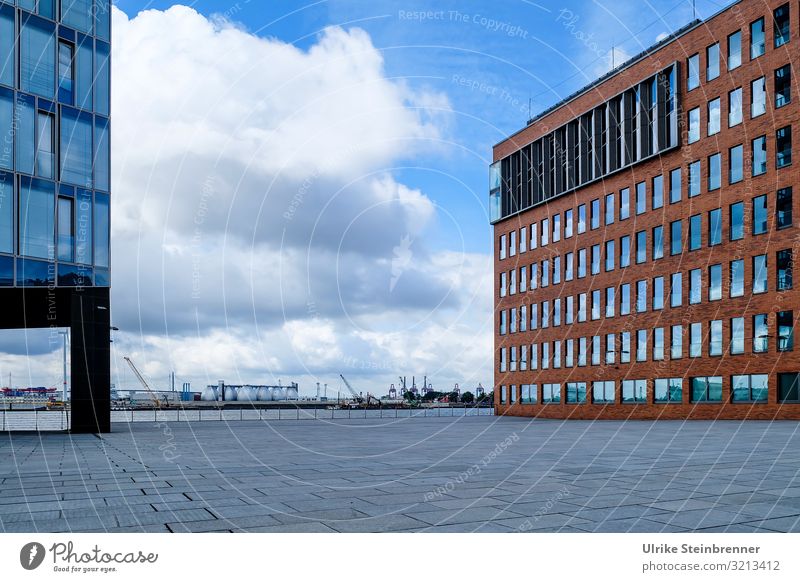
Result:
230,394
278,393
246,394
209,394
292,393
264,394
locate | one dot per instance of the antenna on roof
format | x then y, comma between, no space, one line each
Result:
613,60
529,107
694,9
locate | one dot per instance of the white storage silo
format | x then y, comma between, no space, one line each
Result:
292,392
278,394
264,394
209,394
246,394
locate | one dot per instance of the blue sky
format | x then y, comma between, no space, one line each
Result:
489,58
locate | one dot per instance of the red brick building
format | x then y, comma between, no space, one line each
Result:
644,234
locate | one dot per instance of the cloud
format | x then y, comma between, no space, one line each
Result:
257,212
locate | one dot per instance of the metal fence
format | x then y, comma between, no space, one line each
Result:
55,420
292,414
36,420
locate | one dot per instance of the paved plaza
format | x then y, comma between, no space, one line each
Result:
487,474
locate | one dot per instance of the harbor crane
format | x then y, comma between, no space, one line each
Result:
357,396
143,382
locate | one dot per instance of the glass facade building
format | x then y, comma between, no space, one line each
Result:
55,145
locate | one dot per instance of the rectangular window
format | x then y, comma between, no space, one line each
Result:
624,203
37,57
611,350
695,286
66,229
757,45
668,390
569,353
625,299
581,307
695,340
675,186
694,179
101,84
658,192
545,356
523,239
634,391
596,350
513,243
534,316
595,259
582,352
625,347
523,318
534,356
595,304
523,279
760,216
83,73
783,86
760,274
545,232
783,147
676,290
581,219
736,222
76,147
712,62
758,97
641,345
693,72
715,282
513,367
576,392
694,125
734,50
737,335
581,263
569,260
676,342
641,296
512,284
534,240
675,237
735,164
784,266
785,322
641,198
37,218
556,228
610,255
503,322
551,393
568,309
641,247
735,107
715,227
707,389
545,314
7,45
759,153
714,172
595,217
789,387
609,208
610,302
556,270
750,388
695,232
760,333
45,146
780,19
713,117
65,73
658,344
737,278
658,293
783,208
658,242
603,392
568,223
545,273
625,251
